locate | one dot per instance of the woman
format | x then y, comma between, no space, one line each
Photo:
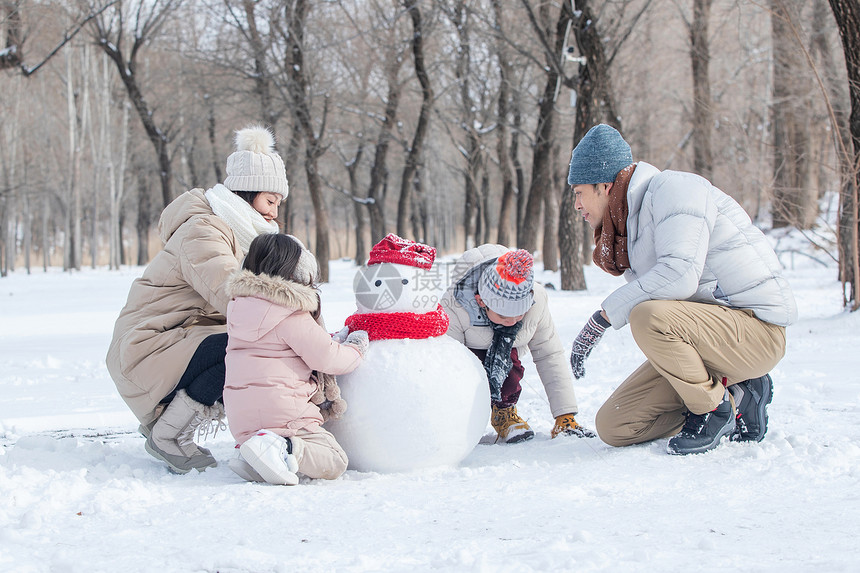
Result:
169,342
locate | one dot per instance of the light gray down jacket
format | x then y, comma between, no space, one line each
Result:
687,240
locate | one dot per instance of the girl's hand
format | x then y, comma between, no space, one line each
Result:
358,340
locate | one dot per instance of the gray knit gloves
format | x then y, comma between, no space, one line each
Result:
358,340
585,341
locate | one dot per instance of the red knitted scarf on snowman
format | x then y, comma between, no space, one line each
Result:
392,325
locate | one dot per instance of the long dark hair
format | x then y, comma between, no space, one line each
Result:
248,196
276,255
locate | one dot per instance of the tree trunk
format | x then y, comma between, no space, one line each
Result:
213,141
300,95
144,217
848,21
519,171
505,234
262,77
554,40
413,158
72,201
700,58
111,42
792,204
473,206
595,103
359,207
551,214
116,186
378,187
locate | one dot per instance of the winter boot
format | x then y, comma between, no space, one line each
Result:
271,456
243,469
752,398
703,432
171,439
510,428
146,429
567,425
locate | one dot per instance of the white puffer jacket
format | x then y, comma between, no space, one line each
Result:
687,240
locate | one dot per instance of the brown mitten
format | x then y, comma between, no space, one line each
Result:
327,396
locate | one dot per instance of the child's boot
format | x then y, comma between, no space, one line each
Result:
271,456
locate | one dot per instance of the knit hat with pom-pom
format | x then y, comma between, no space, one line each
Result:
255,166
506,285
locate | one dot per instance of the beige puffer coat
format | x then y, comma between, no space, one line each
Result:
178,301
538,332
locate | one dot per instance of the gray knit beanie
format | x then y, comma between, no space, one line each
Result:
599,156
506,284
255,166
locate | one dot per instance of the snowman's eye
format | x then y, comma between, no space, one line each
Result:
378,283
405,281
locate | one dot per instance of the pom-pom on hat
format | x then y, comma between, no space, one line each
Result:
599,156
506,285
255,166
400,251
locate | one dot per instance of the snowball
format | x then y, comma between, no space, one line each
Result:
412,404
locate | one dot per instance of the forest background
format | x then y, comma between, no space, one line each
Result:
446,121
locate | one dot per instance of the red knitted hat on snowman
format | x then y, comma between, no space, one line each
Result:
400,251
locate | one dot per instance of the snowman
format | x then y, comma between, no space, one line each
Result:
420,398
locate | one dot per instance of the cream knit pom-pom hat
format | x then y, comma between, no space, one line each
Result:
255,166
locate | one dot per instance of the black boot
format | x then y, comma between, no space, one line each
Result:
751,398
702,432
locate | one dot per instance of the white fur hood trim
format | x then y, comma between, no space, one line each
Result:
274,289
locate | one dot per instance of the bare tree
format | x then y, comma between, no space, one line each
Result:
413,157
793,202
459,15
700,59
505,232
552,38
109,31
12,55
848,21
292,30
595,103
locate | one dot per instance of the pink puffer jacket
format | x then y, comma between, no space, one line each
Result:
274,344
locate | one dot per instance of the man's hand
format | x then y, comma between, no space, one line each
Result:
585,341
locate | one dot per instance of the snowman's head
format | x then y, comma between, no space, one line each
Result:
390,287
398,277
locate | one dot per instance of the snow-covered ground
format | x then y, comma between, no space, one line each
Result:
78,493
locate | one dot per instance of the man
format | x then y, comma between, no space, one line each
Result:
497,310
705,299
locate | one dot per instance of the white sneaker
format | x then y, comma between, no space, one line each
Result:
243,469
270,455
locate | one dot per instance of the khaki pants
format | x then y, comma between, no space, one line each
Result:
318,454
690,348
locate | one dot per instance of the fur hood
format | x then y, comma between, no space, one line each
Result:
277,290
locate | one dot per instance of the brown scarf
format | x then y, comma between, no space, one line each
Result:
610,238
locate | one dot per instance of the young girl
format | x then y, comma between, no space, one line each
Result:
275,342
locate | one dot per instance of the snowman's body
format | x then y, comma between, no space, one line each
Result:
414,402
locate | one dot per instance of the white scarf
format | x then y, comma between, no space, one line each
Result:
245,222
